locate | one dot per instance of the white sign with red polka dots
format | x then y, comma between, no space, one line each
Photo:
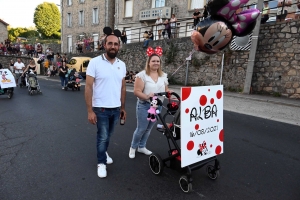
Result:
202,132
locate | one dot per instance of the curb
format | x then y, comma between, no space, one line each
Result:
264,100
241,96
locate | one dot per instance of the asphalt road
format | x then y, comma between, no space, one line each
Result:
47,151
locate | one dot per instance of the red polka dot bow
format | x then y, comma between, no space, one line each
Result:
158,51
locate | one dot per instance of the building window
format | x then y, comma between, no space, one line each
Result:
81,1
95,16
81,17
69,19
128,8
70,44
158,3
69,2
197,4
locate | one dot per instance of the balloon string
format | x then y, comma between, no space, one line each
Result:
193,51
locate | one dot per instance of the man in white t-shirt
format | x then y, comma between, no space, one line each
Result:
18,67
105,93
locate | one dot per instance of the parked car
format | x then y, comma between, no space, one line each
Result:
80,64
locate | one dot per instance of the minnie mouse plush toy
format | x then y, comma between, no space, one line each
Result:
155,102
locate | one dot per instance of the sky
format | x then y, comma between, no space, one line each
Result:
19,13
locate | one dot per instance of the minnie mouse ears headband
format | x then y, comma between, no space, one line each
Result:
108,31
158,51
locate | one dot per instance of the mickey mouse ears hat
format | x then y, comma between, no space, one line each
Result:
108,31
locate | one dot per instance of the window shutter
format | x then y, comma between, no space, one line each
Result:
82,17
197,4
97,15
153,3
128,8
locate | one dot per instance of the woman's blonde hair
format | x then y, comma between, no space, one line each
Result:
147,67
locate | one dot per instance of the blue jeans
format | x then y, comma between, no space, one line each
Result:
63,81
107,118
146,42
144,127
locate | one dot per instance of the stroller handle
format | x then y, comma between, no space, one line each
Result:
168,94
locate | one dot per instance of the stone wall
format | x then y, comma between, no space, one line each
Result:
277,67
5,60
56,48
276,70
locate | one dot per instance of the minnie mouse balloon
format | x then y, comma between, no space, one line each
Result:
212,35
215,32
242,23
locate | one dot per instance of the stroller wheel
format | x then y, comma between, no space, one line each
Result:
185,185
31,92
10,94
212,172
78,88
156,164
66,88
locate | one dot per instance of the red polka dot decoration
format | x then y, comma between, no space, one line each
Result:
187,111
221,135
197,126
203,100
219,94
218,150
190,145
186,92
158,51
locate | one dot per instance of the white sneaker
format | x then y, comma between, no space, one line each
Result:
144,151
132,153
101,171
109,160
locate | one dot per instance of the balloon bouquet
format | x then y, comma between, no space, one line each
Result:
215,32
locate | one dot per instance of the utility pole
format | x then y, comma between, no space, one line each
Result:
251,59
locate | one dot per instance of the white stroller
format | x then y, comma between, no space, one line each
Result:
32,83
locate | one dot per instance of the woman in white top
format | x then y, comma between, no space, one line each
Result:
173,21
149,81
159,27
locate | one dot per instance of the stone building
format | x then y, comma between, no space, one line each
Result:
3,30
136,16
84,19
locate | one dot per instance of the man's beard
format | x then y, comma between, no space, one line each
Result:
112,55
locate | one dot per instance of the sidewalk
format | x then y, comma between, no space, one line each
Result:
255,97
279,109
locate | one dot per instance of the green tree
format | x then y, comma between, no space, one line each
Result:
13,33
47,19
29,34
